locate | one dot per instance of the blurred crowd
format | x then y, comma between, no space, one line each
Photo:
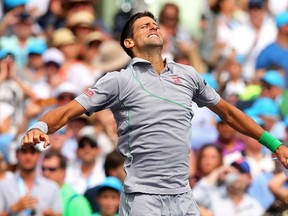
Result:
49,56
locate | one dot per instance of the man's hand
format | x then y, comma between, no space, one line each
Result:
282,155
25,202
35,136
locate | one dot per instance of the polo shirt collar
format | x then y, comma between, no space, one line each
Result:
137,60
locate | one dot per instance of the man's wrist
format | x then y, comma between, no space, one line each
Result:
41,125
270,141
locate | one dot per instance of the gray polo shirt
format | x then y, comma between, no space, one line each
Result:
153,114
46,192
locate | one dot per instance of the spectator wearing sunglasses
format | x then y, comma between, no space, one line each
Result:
54,168
27,192
88,169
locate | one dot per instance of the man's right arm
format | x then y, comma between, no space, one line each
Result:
51,122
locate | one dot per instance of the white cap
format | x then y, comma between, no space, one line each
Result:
53,55
66,87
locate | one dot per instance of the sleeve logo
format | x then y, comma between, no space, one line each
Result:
89,93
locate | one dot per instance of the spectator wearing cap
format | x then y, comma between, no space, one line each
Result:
88,169
81,23
54,168
108,196
12,8
111,57
273,84
28,193
65,92
268,111
53,59
72,69
276,52
249,38
90,51
34,71
74,6
21,38
231,198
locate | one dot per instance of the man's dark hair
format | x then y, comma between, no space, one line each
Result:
127,31
62,159
113,160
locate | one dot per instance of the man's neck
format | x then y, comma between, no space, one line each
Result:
282,40
28,178
237,198
154,57
87,168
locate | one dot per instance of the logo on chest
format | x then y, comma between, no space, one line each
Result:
176,80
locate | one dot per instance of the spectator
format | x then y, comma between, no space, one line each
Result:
232,147
108,197
268,111
249,38
209,158
13,90
21,39
66,42
230,79
73,6
278,188
28,192
91,51
13,8
232,196
34,70
88,171
53,19
54,168
278,48
177,37
111,57
81,23
113,167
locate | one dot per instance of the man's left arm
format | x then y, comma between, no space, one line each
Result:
247,126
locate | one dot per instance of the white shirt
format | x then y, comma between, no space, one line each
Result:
75,178
243,39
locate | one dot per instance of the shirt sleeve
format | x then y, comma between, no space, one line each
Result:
103,95
262,61
204,94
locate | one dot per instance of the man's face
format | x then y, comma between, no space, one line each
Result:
51,170
87,151
109,201
27,159
239,183
146,34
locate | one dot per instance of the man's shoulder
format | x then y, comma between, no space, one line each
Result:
8,182
270,47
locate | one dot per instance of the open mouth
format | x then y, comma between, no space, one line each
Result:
153,35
